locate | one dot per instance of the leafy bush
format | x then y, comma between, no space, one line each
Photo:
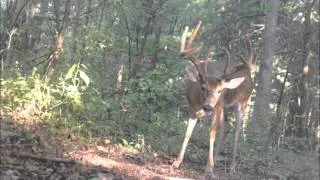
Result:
66,101
157,91
155,107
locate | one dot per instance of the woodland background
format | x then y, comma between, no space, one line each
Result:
92,70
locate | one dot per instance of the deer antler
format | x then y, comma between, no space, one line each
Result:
194,34
250,62
247,65
226,68
249,47
189,51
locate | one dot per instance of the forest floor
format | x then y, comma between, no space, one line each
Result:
30,151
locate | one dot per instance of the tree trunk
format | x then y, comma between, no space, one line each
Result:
84,44
301,104
102,14
149,16
131,73
144,40
57,12
262,112
303,91
157,34
57,49
76,25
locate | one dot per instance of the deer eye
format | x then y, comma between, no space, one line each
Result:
219,91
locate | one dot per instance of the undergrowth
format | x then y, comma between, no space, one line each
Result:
138,118
149,116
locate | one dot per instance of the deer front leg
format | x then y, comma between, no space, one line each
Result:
225,126
239,117
191,124
222,136
215,123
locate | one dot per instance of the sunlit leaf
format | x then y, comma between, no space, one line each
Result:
71,71
84,66
125,142
84,77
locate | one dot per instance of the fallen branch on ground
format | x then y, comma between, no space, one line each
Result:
55,159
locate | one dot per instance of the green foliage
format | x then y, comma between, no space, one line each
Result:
60,102
157,91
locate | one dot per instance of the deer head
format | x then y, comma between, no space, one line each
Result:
213,88
212,84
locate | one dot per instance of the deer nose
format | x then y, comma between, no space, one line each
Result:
207,108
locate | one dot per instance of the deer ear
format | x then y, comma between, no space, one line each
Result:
233,83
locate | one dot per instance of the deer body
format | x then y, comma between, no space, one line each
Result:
214,88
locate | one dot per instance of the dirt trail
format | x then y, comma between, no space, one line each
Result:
132,165
33,152
25,161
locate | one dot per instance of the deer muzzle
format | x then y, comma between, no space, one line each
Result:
203,113
207,108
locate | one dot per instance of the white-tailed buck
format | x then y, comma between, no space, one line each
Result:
214,88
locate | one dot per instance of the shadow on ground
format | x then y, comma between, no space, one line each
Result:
34,152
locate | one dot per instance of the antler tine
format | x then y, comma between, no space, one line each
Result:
226,67
194,34
250,62
250,52
241,69
209,55
189,51
247,65
183,40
